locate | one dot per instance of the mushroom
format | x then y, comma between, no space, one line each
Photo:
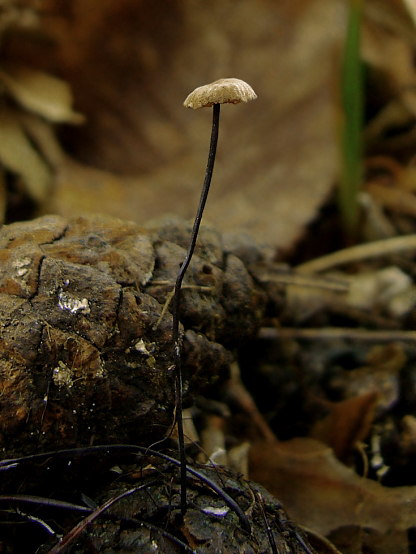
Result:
223,91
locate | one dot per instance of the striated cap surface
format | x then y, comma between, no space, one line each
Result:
223,91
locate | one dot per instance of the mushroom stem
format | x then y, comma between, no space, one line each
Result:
177,297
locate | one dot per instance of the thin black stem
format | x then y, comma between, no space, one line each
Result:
177,298
103,450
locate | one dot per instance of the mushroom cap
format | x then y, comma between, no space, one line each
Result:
223,91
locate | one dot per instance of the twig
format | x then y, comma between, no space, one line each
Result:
328,333
365,251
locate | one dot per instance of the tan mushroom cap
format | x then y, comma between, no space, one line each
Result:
223,91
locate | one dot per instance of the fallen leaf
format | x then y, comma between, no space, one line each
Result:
3,197
347,423
40,93
321,493
132,63
354,540
393,198
380,378
19,156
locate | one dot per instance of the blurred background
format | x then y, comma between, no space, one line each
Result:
92,115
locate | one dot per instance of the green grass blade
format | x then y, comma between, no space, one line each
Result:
352,102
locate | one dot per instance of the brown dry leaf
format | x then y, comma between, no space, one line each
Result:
393,15
393,198
347,423
132,63
392,54
355,540
388,46
411,8
379,377
391,185
43,136
40,93
19,156
321,493
3,197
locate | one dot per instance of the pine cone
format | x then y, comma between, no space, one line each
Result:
86,353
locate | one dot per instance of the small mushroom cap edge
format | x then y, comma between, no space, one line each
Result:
223,91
